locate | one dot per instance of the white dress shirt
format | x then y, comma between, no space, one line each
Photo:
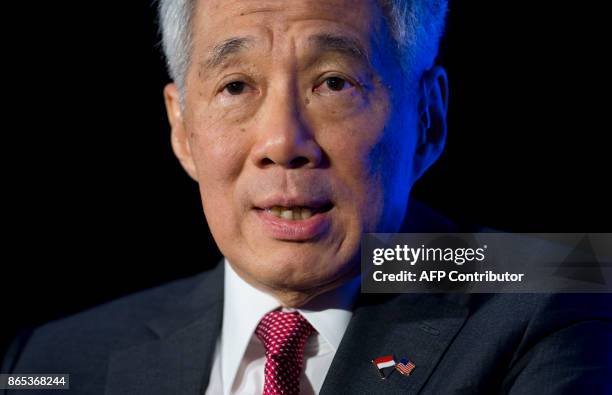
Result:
239,359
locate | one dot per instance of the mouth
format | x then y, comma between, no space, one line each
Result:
296,213
294,220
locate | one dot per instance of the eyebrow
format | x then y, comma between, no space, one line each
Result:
226,48
344,45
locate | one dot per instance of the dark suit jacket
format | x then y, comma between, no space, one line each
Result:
161,341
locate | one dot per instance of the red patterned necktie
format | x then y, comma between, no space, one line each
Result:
284,336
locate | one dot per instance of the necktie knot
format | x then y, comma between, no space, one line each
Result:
284,336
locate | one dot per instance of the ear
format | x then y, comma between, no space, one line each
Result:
431,129
179,138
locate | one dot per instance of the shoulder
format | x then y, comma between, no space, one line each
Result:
528,343
514,325
552,342
120,317
90,335
564,346
538,315
562,306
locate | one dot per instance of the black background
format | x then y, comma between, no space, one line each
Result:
96,206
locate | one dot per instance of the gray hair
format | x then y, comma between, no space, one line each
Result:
415,26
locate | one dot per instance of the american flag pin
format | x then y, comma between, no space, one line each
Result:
382,363
405,366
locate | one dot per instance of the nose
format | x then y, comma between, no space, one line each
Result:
283,136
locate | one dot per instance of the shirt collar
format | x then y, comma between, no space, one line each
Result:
245,305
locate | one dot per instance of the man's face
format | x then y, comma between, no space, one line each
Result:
293,136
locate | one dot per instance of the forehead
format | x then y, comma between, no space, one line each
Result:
280,24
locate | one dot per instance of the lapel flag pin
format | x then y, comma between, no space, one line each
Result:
382,363
405,366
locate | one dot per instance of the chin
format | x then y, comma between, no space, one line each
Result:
298,271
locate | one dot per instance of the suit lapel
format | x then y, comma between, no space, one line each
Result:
416,326
180,359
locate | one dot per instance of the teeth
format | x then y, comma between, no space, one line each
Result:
295,213
287,214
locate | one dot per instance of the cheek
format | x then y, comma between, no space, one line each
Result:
219,154
393,161
373,163
219,150
350,149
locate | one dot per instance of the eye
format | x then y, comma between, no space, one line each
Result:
235,88
336,84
